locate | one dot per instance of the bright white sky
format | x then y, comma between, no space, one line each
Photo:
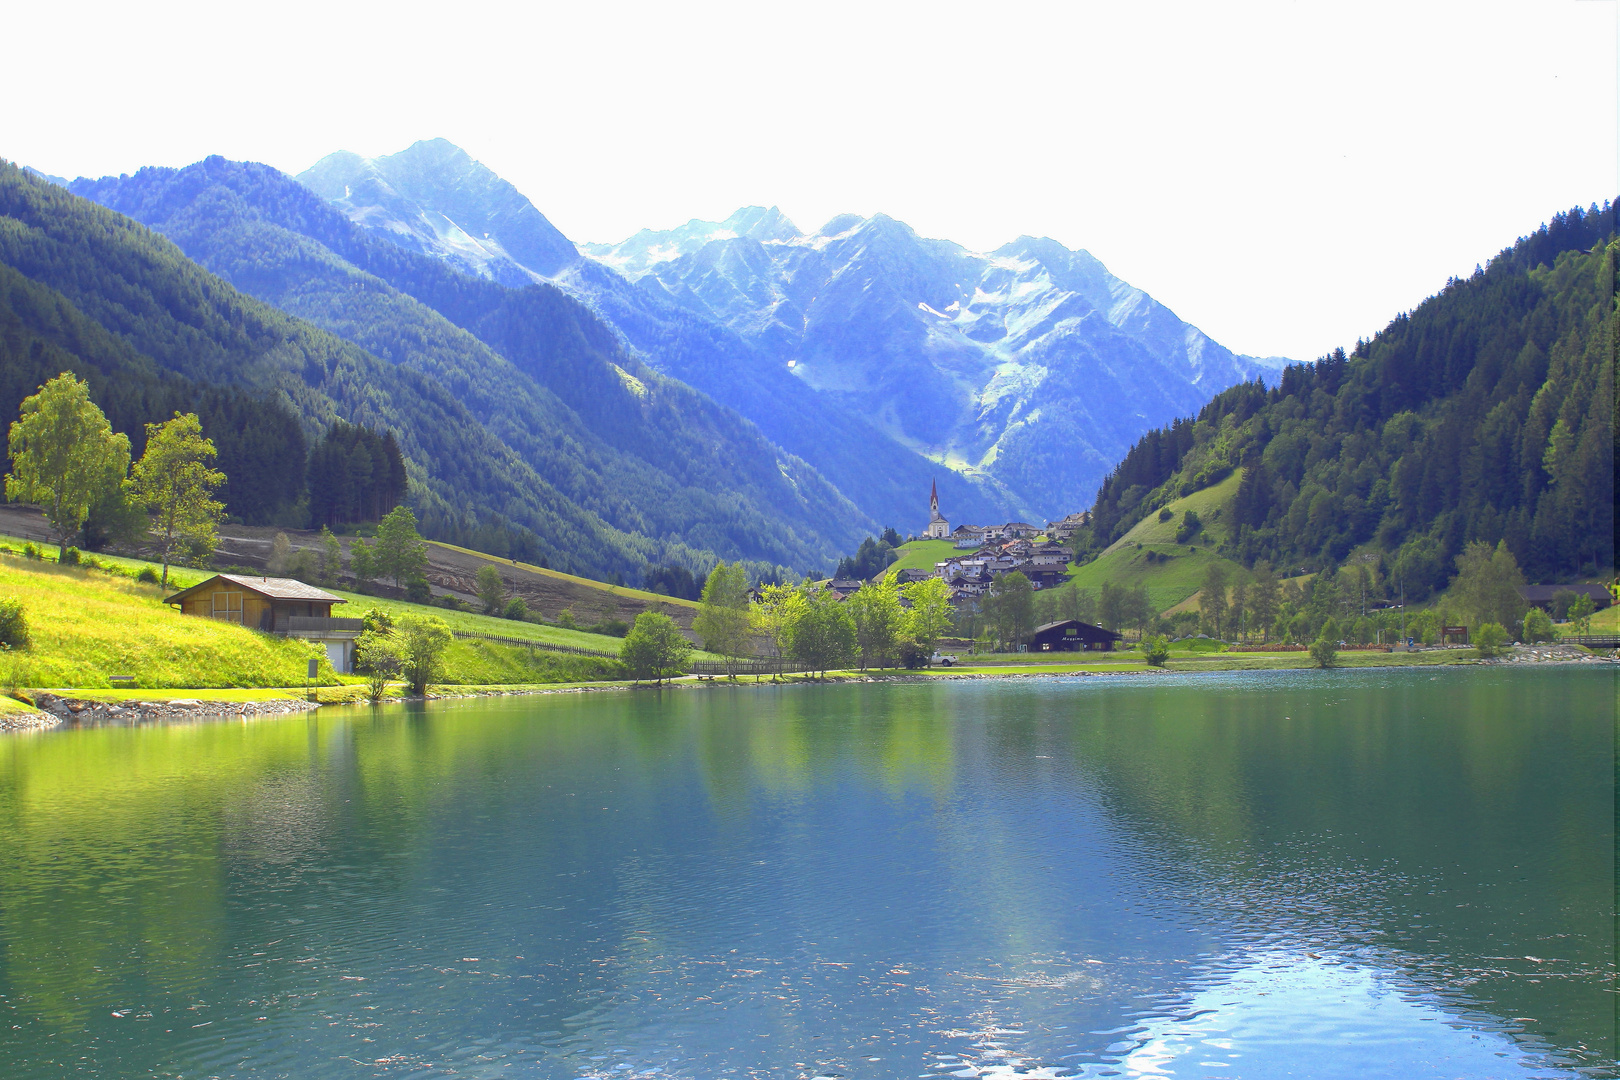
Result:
1288,176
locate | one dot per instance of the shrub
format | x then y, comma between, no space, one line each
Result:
13,623
377,654
1156,650
516,609
31,551
1166,514
1325,652
1189,528
1538,626
147,576
417,590
914,655
422,641
376,621
1491,639
654,648
611,628
565,619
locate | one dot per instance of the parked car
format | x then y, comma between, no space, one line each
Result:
942,659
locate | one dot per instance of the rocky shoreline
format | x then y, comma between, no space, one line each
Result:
55,711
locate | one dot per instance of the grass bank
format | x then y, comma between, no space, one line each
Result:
89,625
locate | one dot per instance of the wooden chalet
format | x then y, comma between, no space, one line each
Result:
276,606
1071,635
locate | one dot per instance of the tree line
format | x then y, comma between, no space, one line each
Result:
884,624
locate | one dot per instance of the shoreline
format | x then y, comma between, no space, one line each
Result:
61,710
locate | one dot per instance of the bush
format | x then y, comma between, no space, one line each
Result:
13,623
147,576
422,641
69,557
374,620
31,551
1325,652
516,609
417,590
1189,528
610,628
1166,514
1538,626
565,619
377,656
1156,650
1491,639
913,654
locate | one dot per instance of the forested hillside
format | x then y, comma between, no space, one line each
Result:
260,440
646,453
1487,413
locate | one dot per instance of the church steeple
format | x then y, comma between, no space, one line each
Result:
938,527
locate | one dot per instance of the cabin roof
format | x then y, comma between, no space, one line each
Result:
273,588
1075,623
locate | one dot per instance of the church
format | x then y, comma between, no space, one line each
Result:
938,527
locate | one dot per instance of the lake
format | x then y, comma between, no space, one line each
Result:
1401,873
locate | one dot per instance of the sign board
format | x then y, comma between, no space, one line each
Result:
314,667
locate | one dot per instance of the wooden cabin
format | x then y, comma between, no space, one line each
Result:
1071,635
275,606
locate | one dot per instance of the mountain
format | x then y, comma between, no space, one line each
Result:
681,478
647,454
1030,364
435,198
884,479
1486,413
1027,371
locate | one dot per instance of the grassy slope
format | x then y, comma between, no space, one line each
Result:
88,625
1606,621
570,579
923,554
469,622
1171,582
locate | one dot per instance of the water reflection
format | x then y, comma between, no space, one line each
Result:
1346,874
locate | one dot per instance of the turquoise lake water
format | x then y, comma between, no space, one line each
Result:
1399,873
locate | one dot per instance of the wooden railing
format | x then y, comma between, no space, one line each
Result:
295,624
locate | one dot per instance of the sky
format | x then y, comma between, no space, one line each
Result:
1286,176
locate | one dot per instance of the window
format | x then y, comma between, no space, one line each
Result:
228,606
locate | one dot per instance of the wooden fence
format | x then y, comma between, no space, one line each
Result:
529,643
1591,641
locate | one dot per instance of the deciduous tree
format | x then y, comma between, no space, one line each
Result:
64,455
654,648
422,640
400,552
175,482
876,612
491,589
820,633
722,618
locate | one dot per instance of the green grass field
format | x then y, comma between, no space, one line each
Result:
1176,571
470,622
88,625
923,554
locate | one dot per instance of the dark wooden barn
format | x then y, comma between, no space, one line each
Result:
1071,635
